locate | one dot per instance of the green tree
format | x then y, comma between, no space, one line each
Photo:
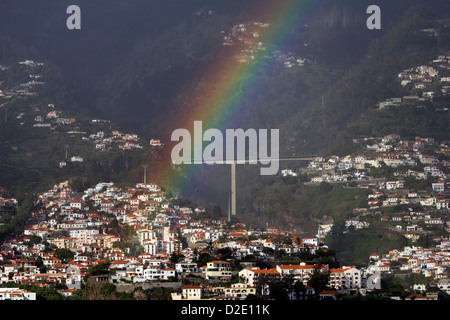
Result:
65,255
40,265
278,291
393,286
425,241
34,239
79,185
319,280
203,258
325,187
175,257
108,290
99,269
299,289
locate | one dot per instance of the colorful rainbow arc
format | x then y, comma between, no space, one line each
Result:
232,81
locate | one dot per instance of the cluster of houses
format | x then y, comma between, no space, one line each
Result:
412,224
50,118
341,281
79,222
7,204
423,211
391,150
63,219
249,35
396,152
14,294
102,142
28,88
257,281
392,193
426,82
124,141
433,167
433,263
335,168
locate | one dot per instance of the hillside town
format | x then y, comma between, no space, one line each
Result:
50,119
413,172
424,82
29,84
421,158
425,155
143,236
145,239
76,222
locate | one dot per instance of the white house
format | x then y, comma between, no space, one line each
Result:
76,159
189,293
394,184
76,204
345,279
438,186
311,240
442,204
16,294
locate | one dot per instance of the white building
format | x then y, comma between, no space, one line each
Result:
301,272
16,294
189,293
438,186
394,184
311,240
345,279
77,159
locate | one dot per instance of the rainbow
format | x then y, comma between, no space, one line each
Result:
230,81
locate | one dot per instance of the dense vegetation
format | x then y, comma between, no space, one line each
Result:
290,204
12,223
355,246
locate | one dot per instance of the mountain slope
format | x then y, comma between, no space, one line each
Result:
136,63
